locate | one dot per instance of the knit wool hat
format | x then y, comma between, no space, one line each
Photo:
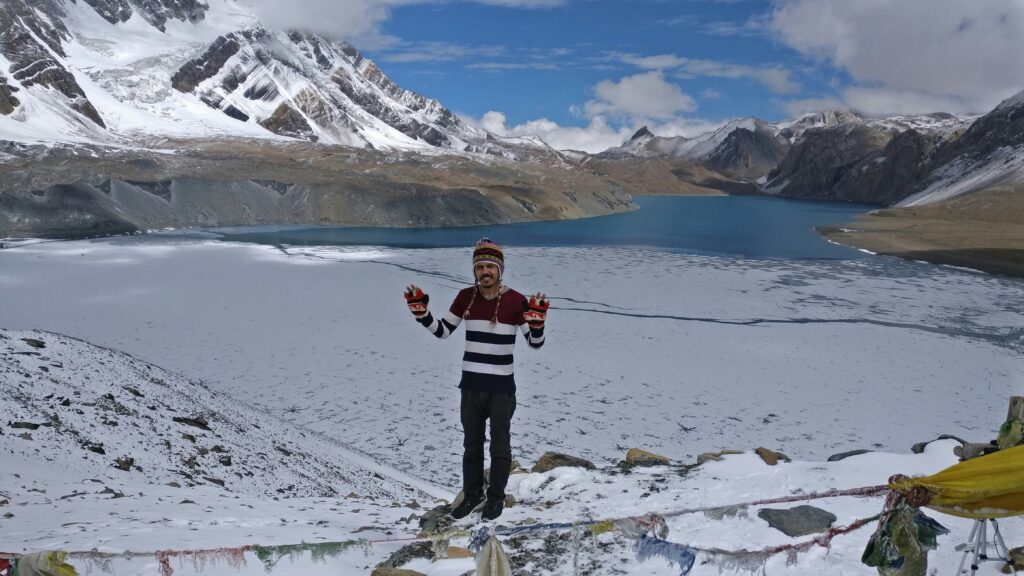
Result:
487,251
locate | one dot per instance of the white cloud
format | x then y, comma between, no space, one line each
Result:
439,52
646,95
598,135
912,55
806,105
658,62
776,78
524,3
355,21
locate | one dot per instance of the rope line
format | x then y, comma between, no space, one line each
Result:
653,523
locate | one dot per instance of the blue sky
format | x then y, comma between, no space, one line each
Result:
544,62
585,74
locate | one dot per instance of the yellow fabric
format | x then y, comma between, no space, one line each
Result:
990,486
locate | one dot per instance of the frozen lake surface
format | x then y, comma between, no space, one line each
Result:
675,353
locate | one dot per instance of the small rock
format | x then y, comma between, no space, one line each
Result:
383,571
436,520
771,457
510,500
715,456
458,552
408,552
24,425
638,457
97,448
552,460
65,402
1017,555
798,521
124,463
920,446
173,484
842,455
25,436
213,480
33,342
224,460
186,501
8,515
189,437
197,421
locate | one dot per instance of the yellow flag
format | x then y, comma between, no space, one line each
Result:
990,486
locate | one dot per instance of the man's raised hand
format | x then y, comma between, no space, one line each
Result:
417,301
536,311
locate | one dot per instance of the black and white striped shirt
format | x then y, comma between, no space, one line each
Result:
488,362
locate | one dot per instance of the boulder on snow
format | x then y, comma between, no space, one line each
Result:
1017,555
842,455
715,456
382,571
798,521
771,457
638,457
34,342
552,460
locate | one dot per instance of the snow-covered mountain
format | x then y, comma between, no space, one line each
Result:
989,154
905,160
748,148
129,71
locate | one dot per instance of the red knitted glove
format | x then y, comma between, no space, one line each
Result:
417,302
535,312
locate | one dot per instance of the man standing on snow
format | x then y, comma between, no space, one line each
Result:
493,313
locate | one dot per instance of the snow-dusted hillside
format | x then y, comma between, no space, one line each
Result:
102,415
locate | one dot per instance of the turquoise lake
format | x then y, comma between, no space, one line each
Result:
744,226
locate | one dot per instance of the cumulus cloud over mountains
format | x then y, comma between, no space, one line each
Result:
908,56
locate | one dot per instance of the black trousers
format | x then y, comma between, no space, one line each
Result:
477,406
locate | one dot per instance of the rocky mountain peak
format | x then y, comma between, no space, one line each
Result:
641,134
156,12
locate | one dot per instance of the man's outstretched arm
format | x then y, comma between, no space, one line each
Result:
417,301
535,312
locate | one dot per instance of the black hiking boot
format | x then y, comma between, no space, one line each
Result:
493,508
468,504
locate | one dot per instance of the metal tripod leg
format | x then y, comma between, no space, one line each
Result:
970,547
977,547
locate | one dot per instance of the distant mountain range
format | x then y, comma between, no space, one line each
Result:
103,100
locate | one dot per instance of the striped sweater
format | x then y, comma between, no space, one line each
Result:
488,362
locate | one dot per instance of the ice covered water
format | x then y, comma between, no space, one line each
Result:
675,353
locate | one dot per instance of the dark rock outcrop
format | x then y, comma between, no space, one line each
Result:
30,41
820,159
749,154
888,175
113,11
193,72
287,122
7,100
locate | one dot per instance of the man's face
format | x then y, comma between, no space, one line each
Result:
487,274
